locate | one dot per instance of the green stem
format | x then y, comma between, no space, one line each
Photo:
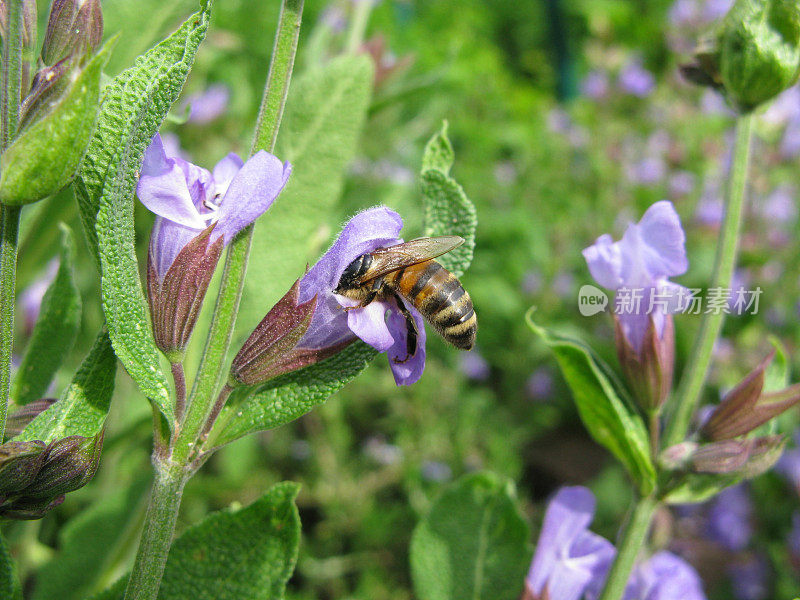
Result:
358,25
11,75
631,541
159,526
10,85
9,232
212,365
696,369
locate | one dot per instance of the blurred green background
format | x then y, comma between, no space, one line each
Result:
559,136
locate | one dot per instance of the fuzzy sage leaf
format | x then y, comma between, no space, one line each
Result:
55,330
603,406
84,405
44,158
134,105
472,544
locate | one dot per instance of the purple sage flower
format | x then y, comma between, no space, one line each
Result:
209,104
648,254
664,576
716,9
540,384
30,299
793,539
380,324
788,464
750,578
474,366
569,558
595,85
634,79
197,212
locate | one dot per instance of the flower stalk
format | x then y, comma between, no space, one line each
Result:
211,368
10,91
630,543
694,376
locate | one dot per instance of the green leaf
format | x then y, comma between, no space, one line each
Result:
603,405
91,544
699,487
448,211
9,586
248,554
44,158
473,543
134,105
776,375
55,330
290,396
83,408
324,116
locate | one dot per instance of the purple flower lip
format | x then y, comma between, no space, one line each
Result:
380,324
187,198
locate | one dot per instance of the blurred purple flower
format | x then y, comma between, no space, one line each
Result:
793,539
540,384
647,171
30,299
436,471
382,452
780,207
716,9
636,80
728,518
648,254
595,85
187,198
710,208
790,143
784,109
474,366
750,578
333,17
380,324
563,284
788,464
209,104
569,558
664,576
713,103
532,282
684,12
681,183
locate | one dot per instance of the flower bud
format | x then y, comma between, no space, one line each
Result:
648,371
19,419
74,30
28,22
747,458
271,348
20,463
25,509
176,299
48,85
754,54
69,464
678,456
747,407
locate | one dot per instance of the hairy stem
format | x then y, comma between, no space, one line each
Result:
179,378
212,365
631,541
159,526
694,375
10,83
11,74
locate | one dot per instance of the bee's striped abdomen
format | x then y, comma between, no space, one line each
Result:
441,298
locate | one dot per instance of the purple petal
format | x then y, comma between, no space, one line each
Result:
251,192
224,172
199,181
585,569
208,105
667,577
660,229
167,239
567,516
406,369
369,323
605,262
162,188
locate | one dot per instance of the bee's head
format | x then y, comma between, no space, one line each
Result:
351,277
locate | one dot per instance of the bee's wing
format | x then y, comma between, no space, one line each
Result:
386,260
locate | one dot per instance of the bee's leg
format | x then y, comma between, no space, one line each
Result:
374,290
411,330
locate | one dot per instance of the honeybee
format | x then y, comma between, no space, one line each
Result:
408,271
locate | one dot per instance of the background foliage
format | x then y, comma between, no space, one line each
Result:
549,168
